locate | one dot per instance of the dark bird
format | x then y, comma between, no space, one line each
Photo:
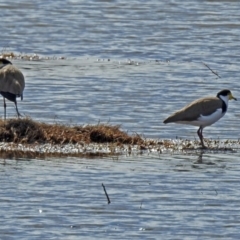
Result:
12,83
203,112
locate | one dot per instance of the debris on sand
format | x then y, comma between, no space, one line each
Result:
27,138
27,135
25,130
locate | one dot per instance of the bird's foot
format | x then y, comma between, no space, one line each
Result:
202,145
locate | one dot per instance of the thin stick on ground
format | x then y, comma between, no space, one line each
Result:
211,70
106,193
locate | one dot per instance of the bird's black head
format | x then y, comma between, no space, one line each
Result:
226,93
4,61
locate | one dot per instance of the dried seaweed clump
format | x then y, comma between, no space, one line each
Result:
106,133
21,131
25,130
101,133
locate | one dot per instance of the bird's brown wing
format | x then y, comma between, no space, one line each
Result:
203,106
11,80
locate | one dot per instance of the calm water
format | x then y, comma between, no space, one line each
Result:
130,64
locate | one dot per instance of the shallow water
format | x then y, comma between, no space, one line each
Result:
152,197
128,63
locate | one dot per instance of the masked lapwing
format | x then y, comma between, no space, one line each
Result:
12,83
203,112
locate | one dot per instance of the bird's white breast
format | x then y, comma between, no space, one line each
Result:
206,120
210,119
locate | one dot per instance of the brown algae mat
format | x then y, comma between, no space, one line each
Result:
26,130
27,138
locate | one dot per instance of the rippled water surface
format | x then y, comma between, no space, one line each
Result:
152,197
130,63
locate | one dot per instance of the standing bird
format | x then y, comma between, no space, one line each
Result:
12,83
203,112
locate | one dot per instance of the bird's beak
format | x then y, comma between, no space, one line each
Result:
232,97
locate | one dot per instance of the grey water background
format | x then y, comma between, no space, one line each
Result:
130,63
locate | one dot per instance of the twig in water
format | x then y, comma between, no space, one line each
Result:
106,193
211,70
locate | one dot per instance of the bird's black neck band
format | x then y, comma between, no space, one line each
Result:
224,106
